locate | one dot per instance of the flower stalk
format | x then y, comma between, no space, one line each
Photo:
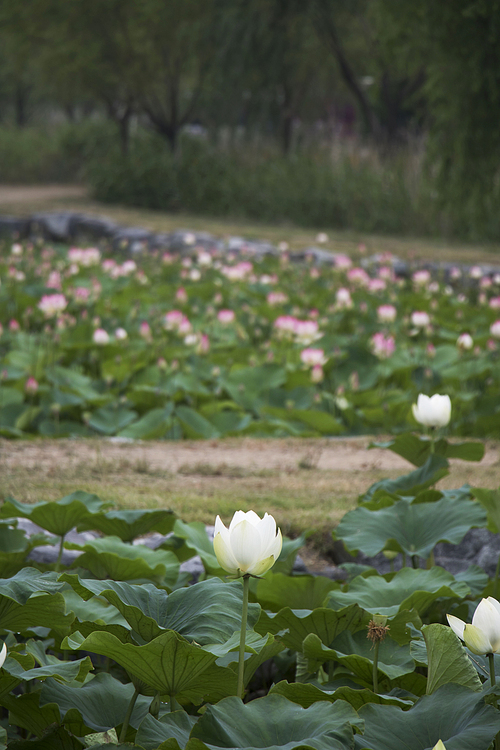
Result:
244,617
128,716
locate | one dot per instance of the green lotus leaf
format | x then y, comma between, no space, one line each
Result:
453,714
408,589
408,527
490,500
57,517
67,671
417,450
111,419
275,723
56,739
40,610
193,612
25,712
195,425
435,468
327,624
305,694
276,591
102,702
129,524
27,581
168,664
176,726
448,661
110,557
356,652
151,426
258,649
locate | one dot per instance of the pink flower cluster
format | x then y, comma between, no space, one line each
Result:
304,331
382,346
175,320
52,304
239,272
89,256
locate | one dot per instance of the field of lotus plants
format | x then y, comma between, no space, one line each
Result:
115,643
119,647
207,345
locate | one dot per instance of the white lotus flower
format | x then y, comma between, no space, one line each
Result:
250,545
483,635
3,655
434,411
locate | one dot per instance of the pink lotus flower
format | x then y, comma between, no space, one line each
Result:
173,319
14,325
226,316
342,262
285,324
276,298
204,344
306,331
181,295
420,319
475,272
121,334
386,314
312,357
82,295
465,341
343,300
238,272
52,304
382,346
54,280
145,331
317,374
376,285
358,277
495,329
421,278
495,303
31,385
100,337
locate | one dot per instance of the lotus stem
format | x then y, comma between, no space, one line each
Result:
403,559
244,615
59,556
493,680
128,715
375,666
495,580
415,561
430,560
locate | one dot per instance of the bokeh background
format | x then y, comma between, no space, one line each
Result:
372,115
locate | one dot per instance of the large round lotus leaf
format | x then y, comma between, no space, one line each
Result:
109,557
168,664
128,524
274,723
295,625
408,527
453,714
408,589
194,612
57,517
102,702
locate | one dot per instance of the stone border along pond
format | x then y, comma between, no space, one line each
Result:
479,546
71,227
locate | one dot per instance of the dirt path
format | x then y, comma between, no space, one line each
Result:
346,455
29,194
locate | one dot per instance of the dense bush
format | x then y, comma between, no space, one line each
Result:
309,189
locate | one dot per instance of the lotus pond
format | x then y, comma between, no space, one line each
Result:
202,345
120,647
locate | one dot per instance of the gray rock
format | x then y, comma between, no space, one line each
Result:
133,239
53,226
17,229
